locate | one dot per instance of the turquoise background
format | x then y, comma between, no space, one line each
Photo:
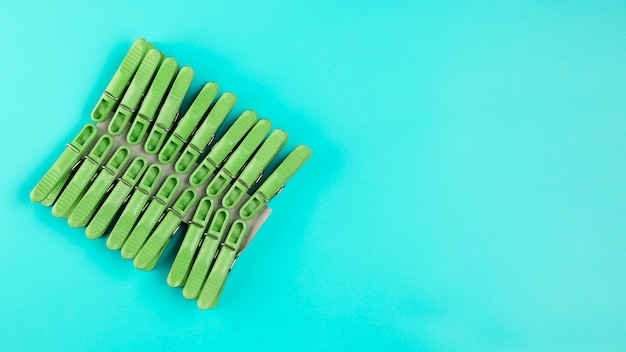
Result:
466,193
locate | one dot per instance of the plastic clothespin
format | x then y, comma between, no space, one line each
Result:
147,204
83,176
188,124
152,101
62,167
54,194
169,111
205,133
229,251
151,215
151,252
233,244
117,86
188,248
215,189
158,241
136,89
115,200
208,246
134,207
275,182
86,207
238,158
223,148
253,171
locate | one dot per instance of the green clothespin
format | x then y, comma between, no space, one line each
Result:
233,244
101,185
115,200
188,248
152,101
222,148
150,253
150,217
241,155
62,167
254,169
169,111
134,207
275,182
54,194
189,122
130,102
83,176
205,133
208,247
117,86
147,204
238,158
226,258
190,244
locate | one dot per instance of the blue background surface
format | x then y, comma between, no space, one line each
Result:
466,192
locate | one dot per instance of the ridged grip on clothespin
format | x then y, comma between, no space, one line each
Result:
189,123
136,90
205,133
87,206
150,253
207,249
117,86
189,246
83,176
62,167
254,169
238,158
229,252
118,196
223,148
150,217
169,110
152,101
134,207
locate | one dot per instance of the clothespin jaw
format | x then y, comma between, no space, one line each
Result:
275,182
117,86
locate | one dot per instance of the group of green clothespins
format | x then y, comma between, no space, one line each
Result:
141,173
